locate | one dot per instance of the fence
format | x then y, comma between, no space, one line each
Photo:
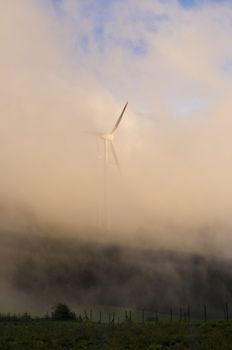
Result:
118,315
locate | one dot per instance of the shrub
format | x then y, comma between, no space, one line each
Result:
62,312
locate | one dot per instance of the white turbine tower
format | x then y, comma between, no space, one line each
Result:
108,148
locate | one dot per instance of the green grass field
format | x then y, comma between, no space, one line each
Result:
49,335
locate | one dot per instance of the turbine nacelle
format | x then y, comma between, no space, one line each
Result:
107,137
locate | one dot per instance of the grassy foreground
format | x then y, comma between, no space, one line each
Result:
51,335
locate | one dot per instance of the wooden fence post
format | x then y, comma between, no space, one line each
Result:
227,312
86,316
180,314
126,317
156,317
188,312
205,313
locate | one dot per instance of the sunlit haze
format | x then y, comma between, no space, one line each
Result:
67,69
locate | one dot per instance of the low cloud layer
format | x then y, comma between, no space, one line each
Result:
37,272
66,72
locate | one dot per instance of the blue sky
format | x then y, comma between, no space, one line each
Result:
106,3
97,41
187,3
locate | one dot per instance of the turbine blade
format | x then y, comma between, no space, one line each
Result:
119,119
114,155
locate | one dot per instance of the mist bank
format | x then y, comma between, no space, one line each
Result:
37,271
169,240
175,159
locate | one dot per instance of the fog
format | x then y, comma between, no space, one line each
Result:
40,271
67,70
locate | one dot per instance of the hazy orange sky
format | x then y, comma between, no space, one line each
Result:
68,67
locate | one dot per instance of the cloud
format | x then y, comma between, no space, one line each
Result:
37,272
65,71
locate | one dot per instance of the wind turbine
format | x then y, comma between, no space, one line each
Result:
108,140
109,147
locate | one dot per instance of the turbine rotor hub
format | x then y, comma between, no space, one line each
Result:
108,137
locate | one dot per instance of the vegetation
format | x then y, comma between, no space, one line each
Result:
62,312
50,334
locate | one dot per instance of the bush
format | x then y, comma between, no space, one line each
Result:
62,312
